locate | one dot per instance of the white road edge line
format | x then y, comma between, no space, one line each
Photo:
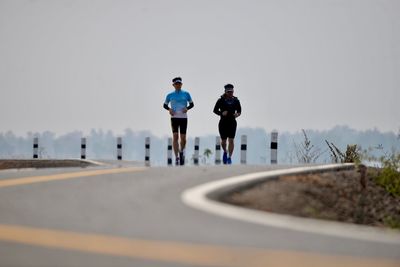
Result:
199,198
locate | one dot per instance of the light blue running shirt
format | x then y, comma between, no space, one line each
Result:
179,100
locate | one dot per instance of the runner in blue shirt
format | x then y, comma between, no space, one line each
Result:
181,102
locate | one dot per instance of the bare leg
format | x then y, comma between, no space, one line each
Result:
223,144
231,146
175,144
183,142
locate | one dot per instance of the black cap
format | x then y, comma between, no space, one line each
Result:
177,80
228,87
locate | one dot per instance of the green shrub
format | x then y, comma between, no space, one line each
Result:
389,176
392,222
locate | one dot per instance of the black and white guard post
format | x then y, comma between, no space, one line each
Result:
243,150
147,152
169,152
119,148
274,147
83,148
35,147
196,150
217,150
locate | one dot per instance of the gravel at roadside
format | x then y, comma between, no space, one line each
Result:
341,196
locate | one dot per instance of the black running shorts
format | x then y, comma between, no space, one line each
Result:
179,124
227,128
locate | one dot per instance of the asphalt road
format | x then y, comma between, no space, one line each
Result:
135,217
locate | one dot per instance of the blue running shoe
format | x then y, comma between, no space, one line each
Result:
229,161
177,161
225,158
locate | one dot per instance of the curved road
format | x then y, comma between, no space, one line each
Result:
134,216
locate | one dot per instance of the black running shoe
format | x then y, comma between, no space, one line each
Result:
177,161
182,158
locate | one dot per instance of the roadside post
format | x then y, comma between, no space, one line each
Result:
119,148
35,147
243,149
169,152
274,147
83,148
147,152
196,151
217,151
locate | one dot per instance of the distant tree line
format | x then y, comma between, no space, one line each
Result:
101,144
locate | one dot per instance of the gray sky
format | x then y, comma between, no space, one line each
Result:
78,65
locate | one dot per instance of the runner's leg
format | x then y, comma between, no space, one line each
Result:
175,136
176,144
222,134
183,142
223,144
231,146
231,139
182,130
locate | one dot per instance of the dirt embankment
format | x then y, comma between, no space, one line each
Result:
39,163
345,196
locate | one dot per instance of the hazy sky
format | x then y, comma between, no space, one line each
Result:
78,65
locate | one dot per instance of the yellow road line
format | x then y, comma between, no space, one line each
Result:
175,252
64,176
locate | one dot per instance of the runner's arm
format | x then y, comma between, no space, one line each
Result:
217,109
238,109
170,110
191,105
166,102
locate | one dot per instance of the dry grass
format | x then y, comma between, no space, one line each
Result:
343,196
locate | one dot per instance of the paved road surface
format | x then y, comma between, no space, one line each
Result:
134,217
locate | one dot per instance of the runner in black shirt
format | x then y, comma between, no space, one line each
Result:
228,108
